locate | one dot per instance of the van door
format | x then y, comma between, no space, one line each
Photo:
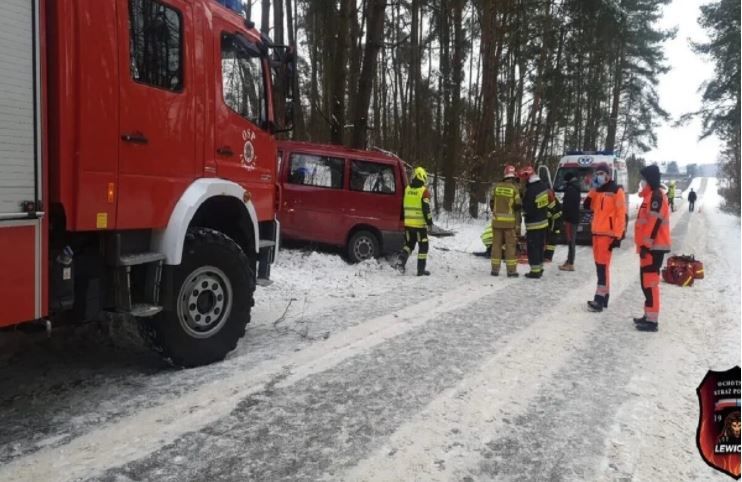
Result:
374,195
313,198
244,151
157,93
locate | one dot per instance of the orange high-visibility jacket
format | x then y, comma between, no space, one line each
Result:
608,204
652,228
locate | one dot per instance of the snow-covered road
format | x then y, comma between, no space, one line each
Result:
371,375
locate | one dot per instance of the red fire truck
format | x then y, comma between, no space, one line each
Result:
137,167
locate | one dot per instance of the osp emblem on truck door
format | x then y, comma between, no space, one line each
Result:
718,434
248,150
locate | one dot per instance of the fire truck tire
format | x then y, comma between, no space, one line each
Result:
363,245
206,301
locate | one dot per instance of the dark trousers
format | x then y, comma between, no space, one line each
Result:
551,240
535,241
691,205
650,277
570,232
412,237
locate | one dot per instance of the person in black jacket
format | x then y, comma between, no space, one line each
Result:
536,213
571,216
692,197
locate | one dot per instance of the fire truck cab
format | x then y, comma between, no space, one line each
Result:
137,167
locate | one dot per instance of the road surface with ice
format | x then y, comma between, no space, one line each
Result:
359,373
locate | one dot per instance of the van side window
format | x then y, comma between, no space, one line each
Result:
242,80
368,176
155,44
319,171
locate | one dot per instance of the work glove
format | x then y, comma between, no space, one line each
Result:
615,244
644,251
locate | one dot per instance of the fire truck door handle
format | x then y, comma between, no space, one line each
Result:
225,151
135,138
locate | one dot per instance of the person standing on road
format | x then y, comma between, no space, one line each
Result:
671,195
536,213
652,239
607,201
692,198
571,214
417,220
504,203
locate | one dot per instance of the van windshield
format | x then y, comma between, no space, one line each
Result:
583,174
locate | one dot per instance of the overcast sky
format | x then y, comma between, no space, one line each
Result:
678,89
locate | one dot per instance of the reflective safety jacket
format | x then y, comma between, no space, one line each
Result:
608,204
652,228
505,202
536,206
416,206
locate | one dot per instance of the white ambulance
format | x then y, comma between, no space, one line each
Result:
583,165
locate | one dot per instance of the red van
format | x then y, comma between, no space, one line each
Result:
341,197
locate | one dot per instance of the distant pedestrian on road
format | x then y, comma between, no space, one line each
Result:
571,210
536,213
692,197
652,238
607,201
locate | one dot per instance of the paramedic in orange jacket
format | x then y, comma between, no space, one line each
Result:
652,238
607,201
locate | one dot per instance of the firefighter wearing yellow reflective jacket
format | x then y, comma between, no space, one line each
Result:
417,219
504,203
555,226
536,213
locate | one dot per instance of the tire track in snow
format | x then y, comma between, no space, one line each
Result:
449,439
153,427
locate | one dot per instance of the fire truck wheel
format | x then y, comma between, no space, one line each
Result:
362,245
206,301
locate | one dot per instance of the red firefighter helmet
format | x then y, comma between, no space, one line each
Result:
526,172
510,171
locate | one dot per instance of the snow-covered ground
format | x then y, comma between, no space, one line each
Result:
360,373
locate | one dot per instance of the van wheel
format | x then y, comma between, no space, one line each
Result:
206,301
363,245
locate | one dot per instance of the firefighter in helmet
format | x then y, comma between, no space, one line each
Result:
536,214
417,220
504,203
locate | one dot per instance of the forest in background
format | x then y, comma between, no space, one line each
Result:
464,87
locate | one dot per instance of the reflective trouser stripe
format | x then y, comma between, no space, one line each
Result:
537,225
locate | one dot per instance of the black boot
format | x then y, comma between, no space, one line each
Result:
533,275
514,274
595,306
646,325
421,268
401,261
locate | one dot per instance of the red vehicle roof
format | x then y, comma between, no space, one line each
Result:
336,150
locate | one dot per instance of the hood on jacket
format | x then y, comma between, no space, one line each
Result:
652,175
416,183
533,178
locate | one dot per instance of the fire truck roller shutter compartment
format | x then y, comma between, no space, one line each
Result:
20,241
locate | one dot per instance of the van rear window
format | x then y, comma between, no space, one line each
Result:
318,171
366,176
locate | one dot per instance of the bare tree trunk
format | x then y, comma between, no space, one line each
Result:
374,39
339,74
265,19
299,128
